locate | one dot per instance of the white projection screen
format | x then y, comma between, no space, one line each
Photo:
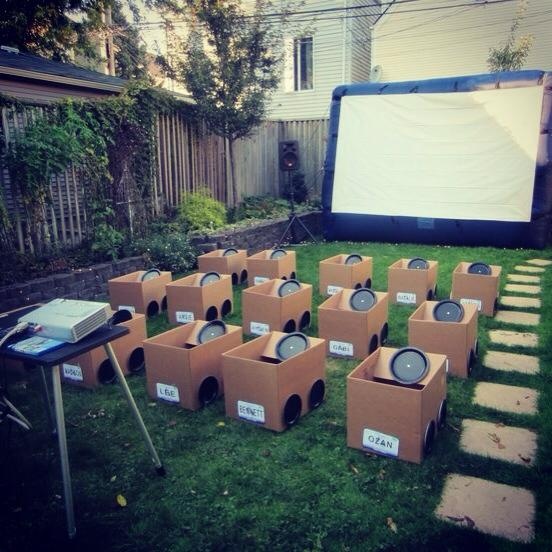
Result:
461,155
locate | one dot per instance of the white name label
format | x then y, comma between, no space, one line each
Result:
183,317
341,348
466,301
260,279
332,290
380,442
406,298
258,328
167,392
447,365
72,372
130,308
251,412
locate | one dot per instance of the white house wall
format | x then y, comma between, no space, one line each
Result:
340,56
455,41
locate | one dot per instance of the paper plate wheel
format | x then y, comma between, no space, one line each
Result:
288,287
418,263
150,274
353,259
480,268
362,299
409,365
291,345
229,251
448,311
123,315
209,278
210,331
278,253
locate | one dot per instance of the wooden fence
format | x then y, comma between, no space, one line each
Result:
189,157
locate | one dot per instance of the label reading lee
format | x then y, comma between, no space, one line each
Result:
467,301
260,279
341,348
332,290
251,412
167,392
183,317
380,442
72,372
130,308
406,298
259,328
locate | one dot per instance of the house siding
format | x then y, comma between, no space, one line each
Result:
361,41
456,41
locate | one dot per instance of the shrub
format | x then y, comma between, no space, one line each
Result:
261,207
199,211
171,251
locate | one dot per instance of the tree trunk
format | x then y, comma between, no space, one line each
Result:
232,173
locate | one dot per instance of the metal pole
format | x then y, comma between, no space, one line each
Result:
64,457
132,404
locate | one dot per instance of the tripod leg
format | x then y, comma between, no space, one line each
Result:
306,229
285,232
132,404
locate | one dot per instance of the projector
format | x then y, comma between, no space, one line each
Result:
68,319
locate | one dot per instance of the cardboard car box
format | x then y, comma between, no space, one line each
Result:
260,267
147,297
94,368
335,275
456,340
264,311
394,420
234,264
351,333
480,289
411,286
188,300
273,394
180,370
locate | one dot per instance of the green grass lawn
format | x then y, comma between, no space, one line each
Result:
235,486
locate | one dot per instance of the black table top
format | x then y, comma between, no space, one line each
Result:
98,338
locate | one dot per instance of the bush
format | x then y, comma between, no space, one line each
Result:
297,184
200,212
171,251
261,207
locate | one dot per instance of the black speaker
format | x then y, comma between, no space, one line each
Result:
288,155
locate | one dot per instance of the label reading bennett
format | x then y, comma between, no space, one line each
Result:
251,412
380,442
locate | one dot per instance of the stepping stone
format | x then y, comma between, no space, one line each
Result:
523,302
511,362
514,339
515,317
520,288
523,279
511,444
508,398
533,269
492,508
539,262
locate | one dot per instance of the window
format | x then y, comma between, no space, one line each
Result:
302,64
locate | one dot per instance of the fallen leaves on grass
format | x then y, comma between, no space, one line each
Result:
353,468
391,524
121,501
381,474
171,423
220,424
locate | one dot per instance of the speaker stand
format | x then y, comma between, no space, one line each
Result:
293,218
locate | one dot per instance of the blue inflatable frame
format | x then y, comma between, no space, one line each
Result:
360,227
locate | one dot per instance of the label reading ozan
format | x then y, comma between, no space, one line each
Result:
380,442
406,298
251,412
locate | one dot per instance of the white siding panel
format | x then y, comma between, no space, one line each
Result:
361,41
455,41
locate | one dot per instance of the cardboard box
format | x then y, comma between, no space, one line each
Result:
260,267
410,286
129,292
187,300
264,311
349,333
387,418
335,275
181,371
235,264
271,393
94,368
456,340
479,289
